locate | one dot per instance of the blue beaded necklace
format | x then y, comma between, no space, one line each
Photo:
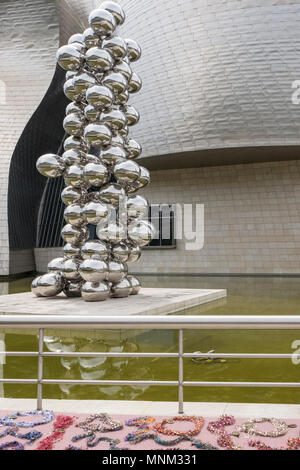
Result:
11,420
31,436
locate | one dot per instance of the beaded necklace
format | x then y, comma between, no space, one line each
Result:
92,441
31,436
204,445
217,427
59,428
249,427
14,444
197,421
11,420
108,423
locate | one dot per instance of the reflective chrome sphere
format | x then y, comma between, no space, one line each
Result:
132,115
69,58
91,113
89,158
116,10
137,206
124,132
141,232
96,174
82,81
115,81
111,194
95,291
72,289
80,47
97,134
50,284
70,269
133,148
135,285
55,265
74,235
135,254
120,252
73,142
123,68
102,22
121,98
50,165
114,119
127,172
71,251
35,287
121,288
112,233
116,46
142,181
95,212
74,176
112,155
75,38
116,271
73,124
70,92
99,96
135,83
73,107
73,214
93,270
71,74
118,141
70,195
99,60
133,50
90,39
72,157
95,249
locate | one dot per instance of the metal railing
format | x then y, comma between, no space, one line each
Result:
172,322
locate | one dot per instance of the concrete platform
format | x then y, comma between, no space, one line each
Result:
150,301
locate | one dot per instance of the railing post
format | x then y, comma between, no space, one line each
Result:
40,370
180,372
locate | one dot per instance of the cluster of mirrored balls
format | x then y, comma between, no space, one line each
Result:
100,187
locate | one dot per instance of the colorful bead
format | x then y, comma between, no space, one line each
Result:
11,420
197,421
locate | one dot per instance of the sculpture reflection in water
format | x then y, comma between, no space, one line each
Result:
99,166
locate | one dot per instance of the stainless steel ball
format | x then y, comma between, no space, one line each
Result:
70,269
135,284
113,154
70,194
73,157
112,194
99,96
142,181
135,83
95,212
93,270
135,254
97,134
90,39
72,289
82,81
124,132
73,214
77,37
91,113
77,143
115,81
118,141
71,234
141,233
123,68
137,207
96,174
80,47
116,46
35,287
115,119
74,176
127,172
50,165
73,124
95,249
116,271
111,233
132,115
121,288
95,291
133,50
69,58
74,107
102,22
55,265
121,98
116,10
50,284
71,251
133,148
99,60
70,92
120,252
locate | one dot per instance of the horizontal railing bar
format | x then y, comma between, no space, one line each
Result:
19,353
242,356
108,354
175,322
110,382
18,381
241,384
